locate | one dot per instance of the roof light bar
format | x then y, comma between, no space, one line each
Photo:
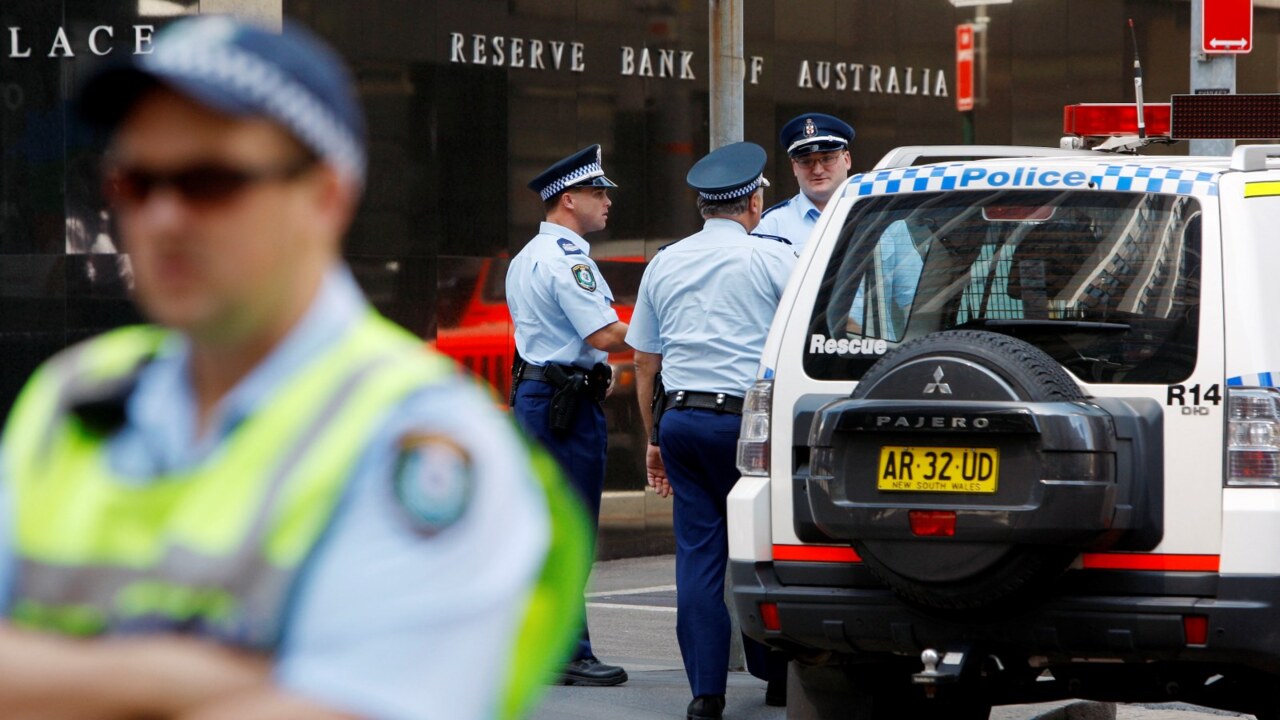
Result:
1114,119
1216,117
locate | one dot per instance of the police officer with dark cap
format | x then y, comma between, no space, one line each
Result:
819,148
565,328
701,319
269,501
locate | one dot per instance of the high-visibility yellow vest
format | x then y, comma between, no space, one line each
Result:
215,549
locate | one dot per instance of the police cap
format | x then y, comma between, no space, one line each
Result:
581,169
729,172
815,132
237,68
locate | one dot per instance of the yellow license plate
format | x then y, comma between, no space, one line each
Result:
938,469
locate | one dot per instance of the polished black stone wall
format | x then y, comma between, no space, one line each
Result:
468,99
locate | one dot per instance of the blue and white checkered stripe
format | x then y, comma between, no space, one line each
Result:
962,176
1156,179
203,55
735,193
1265,379
586,172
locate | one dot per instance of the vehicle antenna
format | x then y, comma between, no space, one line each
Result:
1137,82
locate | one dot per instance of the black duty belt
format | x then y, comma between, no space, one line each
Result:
593,383
720,402
537,372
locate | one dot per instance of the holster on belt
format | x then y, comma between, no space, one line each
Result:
570,387
517,369
658,405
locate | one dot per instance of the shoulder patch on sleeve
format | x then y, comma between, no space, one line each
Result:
775,238
584,277
433,482
567,246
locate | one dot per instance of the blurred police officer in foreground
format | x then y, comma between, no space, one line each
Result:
819,148
565,329
701,318
272,502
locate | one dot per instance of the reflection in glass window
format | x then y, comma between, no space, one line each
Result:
1105,283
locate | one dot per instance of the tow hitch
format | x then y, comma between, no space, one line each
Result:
939,669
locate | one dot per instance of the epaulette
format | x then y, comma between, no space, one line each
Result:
567,246
782,204
775,238
664,247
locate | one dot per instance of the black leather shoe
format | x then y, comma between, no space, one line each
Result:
706,707
590,671
775,694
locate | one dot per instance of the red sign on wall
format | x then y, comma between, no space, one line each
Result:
1228,26
964,67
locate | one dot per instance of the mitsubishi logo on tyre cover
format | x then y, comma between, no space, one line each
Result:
937,385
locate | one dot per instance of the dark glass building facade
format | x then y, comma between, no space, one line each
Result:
469,99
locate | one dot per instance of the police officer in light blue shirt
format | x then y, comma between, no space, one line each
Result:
418,529
818,145
701,318
397,616
565,328
895,267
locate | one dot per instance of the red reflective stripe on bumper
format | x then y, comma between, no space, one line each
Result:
1144,561
815,553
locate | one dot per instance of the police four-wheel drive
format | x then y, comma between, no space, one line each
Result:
1016,435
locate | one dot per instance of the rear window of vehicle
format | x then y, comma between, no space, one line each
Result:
1107,284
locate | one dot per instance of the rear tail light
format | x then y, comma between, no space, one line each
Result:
753,438
1253,437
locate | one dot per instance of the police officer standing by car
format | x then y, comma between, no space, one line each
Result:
818,145
703,312
271,502
565,328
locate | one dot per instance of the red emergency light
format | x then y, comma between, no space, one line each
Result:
1187,117
1114,119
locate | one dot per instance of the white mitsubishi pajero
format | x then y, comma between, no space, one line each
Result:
1016,435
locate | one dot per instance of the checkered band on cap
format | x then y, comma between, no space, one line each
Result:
203,52
586,172
817,139
736,192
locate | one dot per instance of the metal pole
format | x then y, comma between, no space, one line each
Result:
728,69
980,23
1209,72
728,72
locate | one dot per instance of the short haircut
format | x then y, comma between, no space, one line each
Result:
725,208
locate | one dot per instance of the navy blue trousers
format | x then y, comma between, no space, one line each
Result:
580,451
699,451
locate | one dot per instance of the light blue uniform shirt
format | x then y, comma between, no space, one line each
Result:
705,306
557,298
897,263
386,621
792,219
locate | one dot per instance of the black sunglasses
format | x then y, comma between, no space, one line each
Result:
201,185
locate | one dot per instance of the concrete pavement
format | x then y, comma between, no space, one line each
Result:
631,612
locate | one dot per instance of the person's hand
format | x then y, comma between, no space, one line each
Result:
657,472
